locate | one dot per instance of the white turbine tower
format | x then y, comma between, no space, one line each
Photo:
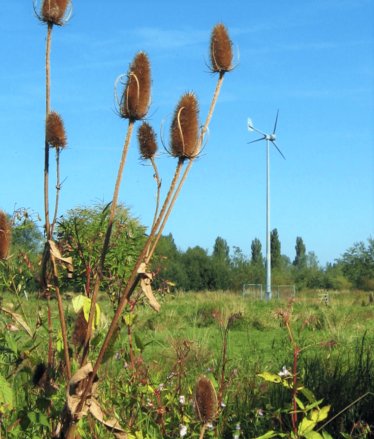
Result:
271,138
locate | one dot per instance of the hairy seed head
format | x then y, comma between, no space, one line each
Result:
221,55
53,11
55,134
80,330
136,96
147,141
205,400
184,130
4,235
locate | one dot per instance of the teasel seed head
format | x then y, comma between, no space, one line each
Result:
205,403
4,235
136,97
147,141
184,132
55,134
54,11
221,55
80,330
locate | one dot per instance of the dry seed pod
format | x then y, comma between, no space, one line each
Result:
80,330
4,235
136,98
205,403
55,134
221,54
147,141
184,132
53,11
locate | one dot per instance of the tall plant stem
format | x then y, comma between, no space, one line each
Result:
49,329
57,188
158,194
203,131
106,242
202,432
62,317
47,109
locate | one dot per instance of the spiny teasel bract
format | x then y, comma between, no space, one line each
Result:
205,403
147,141
80,330
55,134
4,235
40,375
184,131
53,11
221,54
136,97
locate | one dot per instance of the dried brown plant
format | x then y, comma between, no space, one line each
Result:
55,134
80,330
184,132
205,403
221,54
4,235
136,97
147,141
53,11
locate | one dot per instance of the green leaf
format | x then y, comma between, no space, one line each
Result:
129,319
306,426
87,309
320,415
78,302
299,403
212,379
271,434
272,377
308,395
6,395
313,435
347,436
138,342
326,435
38,418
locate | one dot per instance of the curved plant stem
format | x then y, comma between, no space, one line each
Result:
46,150
106,242
158,194
202,432
62,317
58,187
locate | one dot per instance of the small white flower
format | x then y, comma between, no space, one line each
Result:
208,370
223,405
285,372
237,427
210,426
171,376
118,356
161,386
182,399
236,436
182,430
125,365
260,412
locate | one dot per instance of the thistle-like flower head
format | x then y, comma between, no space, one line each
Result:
221,55
55,134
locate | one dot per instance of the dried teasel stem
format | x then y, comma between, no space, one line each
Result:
221,54
4,235
107,239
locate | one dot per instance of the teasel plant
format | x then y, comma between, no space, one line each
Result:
185,145
205,403
52,12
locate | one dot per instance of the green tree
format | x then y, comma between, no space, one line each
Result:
300,259
81,233
221,251
357,264
256,252
199,270
275,250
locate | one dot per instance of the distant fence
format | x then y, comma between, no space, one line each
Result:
258,291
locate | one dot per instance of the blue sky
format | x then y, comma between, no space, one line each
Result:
313,60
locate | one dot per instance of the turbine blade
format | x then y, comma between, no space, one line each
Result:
253,141
280,152
259,131
276,120
250,125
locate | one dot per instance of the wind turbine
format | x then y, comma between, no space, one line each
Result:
271,138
